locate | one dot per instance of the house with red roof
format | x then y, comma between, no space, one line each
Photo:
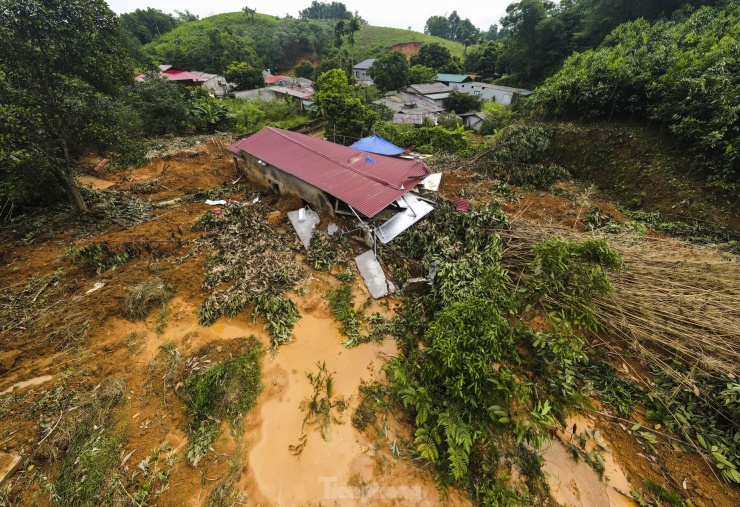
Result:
325,174
178,75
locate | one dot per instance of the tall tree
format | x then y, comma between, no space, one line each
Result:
345,115
146,25
65,66
323,10
390,71
244,75
352,28
432,55
437,26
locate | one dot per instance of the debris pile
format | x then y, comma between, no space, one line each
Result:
257,261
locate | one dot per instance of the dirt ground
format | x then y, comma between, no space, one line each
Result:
350,468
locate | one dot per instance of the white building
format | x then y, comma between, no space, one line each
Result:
502,94
360,71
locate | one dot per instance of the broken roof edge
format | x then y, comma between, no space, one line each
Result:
409,174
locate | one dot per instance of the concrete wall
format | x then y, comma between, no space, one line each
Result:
259,93
362,76
272,177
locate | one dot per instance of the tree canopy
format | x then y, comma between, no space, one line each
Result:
147,25
244,76
452,28
680,72
325,10
63,67
420,74
390,71
346,117
437,57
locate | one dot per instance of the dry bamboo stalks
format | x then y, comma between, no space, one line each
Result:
672,299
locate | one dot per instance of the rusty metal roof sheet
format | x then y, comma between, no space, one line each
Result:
366,181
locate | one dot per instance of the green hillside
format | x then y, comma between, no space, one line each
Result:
375,40
212,43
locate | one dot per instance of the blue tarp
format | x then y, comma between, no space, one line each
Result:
375,144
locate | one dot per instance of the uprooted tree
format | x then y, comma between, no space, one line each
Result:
63,69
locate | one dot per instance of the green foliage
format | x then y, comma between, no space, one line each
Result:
345,115
326,10
254,114
538,34
63,71
304,69
89,450
353,321
419,74
424,139
437,57
564,277
514,156
294,38
244,76
462,102
210,114
162,106
325,251
484,58
147,25
452,28
450,121
255,261
319,406
227,390
498,117
213,43
373,41
484,380
390,71
679,73
102,256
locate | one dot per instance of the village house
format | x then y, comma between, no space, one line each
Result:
360,71
463,83
473,121
305,96
436,92
411,107
330,176
171,73
215,84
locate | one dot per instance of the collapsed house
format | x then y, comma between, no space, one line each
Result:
341,180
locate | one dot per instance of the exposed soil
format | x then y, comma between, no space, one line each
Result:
333,472
407,48
642,168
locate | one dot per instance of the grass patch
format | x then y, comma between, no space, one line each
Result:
227,390
88,450
151,292
373,41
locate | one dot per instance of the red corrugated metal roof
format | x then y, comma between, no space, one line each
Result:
460,204
345,173
274,79
175,74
